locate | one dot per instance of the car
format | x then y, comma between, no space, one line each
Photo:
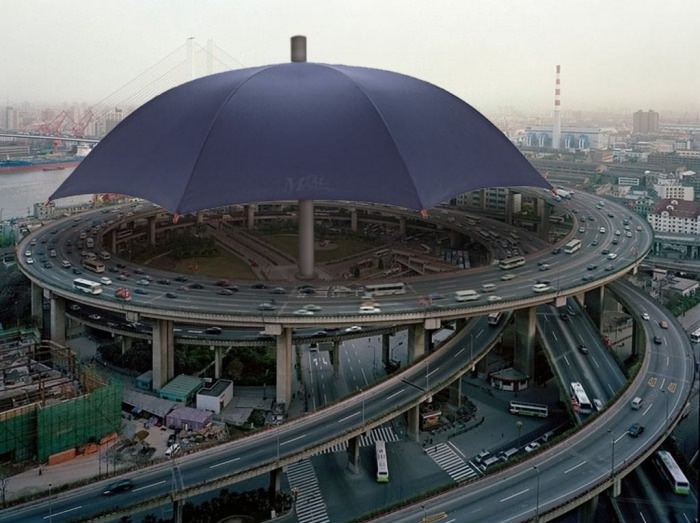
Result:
541,287
581,229
141,291
369,309
48,265
66,264
266,306
259,285
605,252
105,281
180,279
222,283
171,295
488,286
564,316
494,297
587,277
74,307
645,316
594,243
319,334
303,312
139,270
163,281
663,324
532,446
353,328
434,296
592,267
196,285
583,349
612,256
306,291
122,293
658,340
635,430
112,268
172,450
312,307
30,260
122,276
609,267
597,404
27,253
601,230
95,317
557,250
117,487
278,290
544,267
213,330
77,271
143,281
225,292
508,276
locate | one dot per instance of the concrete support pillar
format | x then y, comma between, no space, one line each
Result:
126,343
177,510
616,489
306,239
275,482
285,363
58,319
402,225
152,231
509,207
638,338
524,349
353,220
413,423
163,353
543,211
354,455
386,349
335,357
111,240
250,216
416,342
37,297
586,512
199,218
218,357
593,303
455,393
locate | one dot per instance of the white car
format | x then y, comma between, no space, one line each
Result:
353,328
541,287
369,309
105,280
493,297
645,316
508,276
303,312
30,260
530,447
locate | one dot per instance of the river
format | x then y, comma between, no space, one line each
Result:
20,191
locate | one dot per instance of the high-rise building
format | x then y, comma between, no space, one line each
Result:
9,119
645,122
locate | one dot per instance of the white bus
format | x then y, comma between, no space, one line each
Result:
382,289
467,295
382,462
494,318
511,263
580,399
528,409
695,336
572,246
87,286
94,265
671,472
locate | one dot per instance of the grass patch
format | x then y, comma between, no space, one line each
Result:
225,265
340,249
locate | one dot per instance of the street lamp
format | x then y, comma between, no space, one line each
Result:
666,401
537,495
50,507
519,424
612,454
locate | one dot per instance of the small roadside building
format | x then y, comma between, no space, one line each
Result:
182,389
187,418
216,397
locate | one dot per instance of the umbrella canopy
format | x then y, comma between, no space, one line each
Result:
301,131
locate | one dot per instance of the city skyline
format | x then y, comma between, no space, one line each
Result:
618,57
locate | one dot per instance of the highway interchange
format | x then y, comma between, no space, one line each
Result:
572,471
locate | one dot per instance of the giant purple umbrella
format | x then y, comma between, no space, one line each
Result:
301,131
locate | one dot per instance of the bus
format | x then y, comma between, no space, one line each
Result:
494,318
511,263
695,336
382,462
528,409
94,265
580,399
467,295
87,286
383,289
572,246
671,472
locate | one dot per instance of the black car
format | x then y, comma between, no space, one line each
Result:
635,430
124,485
583,349
213,330
658,340
196,285
180,279
163,281
171,295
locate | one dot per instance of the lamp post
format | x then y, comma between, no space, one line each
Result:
425,517
519,424
50,507
537,495
612,454
666,401
3,486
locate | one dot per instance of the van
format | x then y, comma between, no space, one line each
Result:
636,403
488,462
547,436
507,454
488,286
172,450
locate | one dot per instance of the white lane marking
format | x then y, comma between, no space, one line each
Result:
456,449
574,467
54,514
515,495
292,440
348,417
232,460
395,394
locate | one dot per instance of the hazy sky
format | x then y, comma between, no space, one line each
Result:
615,54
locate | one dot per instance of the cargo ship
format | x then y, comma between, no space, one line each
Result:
43,163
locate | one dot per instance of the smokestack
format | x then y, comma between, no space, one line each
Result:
556,129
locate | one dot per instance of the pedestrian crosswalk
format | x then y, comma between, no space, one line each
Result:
384,432
448,460
310,507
